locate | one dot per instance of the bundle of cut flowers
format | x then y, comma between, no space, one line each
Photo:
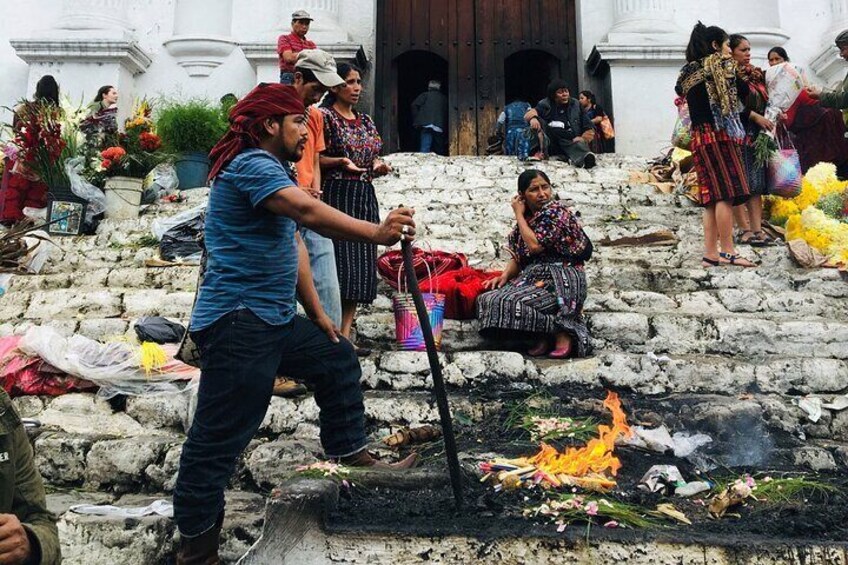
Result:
819,214
138,149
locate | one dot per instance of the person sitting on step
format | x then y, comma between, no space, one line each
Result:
566,125
543,287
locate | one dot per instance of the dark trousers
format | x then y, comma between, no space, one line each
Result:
562,143
240,357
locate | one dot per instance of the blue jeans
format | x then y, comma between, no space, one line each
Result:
322,261
286,78
240,356
431,141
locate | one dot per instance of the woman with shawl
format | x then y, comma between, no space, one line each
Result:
749,216
715,95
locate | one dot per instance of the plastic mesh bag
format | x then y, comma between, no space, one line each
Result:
84,189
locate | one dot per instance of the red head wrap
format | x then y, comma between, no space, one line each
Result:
247,119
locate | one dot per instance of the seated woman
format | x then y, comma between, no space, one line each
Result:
542,289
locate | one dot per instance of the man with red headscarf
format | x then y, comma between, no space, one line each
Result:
244,320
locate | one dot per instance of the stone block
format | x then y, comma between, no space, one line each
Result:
163,476
61,458
100,539
273,462
28,406
128,278
73,304
401,409
14,304
282,416
406,362
103,329
121,463
144,302
83,413
814,458
162,411
620,328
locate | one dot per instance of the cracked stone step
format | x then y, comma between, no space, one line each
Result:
87,539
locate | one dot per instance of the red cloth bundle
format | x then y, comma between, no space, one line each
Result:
21,375
461,288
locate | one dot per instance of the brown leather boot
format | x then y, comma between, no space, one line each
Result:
288,388
364,459
203,549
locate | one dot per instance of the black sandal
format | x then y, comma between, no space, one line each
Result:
711,262
760,239
731,260
741,240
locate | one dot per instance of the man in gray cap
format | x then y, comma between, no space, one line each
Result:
835,98
288,46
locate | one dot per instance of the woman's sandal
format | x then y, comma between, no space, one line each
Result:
707,262
760,239
745,237
730,259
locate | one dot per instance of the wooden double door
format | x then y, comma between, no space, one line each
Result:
486,53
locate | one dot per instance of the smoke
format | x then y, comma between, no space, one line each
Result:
746,443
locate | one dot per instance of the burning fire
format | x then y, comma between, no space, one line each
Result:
588,467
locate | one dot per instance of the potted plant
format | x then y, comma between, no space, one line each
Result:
190,130
125,164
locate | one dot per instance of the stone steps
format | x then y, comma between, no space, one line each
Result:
88,539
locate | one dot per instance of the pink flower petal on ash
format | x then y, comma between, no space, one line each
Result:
611,524
561,528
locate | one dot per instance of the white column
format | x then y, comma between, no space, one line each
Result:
94,14
839,11
202,37
643,16
644,50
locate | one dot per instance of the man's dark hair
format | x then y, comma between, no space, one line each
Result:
47,90
736,40
102,91
781,52
553,86
701,41
307,74
525,178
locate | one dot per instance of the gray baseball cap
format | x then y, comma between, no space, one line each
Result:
301,15
322,65
842,38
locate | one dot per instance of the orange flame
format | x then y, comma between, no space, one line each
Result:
595,458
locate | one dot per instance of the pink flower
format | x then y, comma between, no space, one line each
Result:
611,524
592,508
561,527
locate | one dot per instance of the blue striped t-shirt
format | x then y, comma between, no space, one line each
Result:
251,252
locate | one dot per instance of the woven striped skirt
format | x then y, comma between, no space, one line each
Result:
546,298
721,170
356,262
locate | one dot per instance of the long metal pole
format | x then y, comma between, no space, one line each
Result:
436,369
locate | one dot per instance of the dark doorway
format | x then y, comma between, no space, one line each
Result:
472,40
414,69
527,74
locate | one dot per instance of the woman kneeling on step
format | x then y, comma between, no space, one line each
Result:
543,287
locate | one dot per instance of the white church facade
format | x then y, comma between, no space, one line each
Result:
628,51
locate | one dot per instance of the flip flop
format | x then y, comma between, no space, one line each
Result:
732,259
710,262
